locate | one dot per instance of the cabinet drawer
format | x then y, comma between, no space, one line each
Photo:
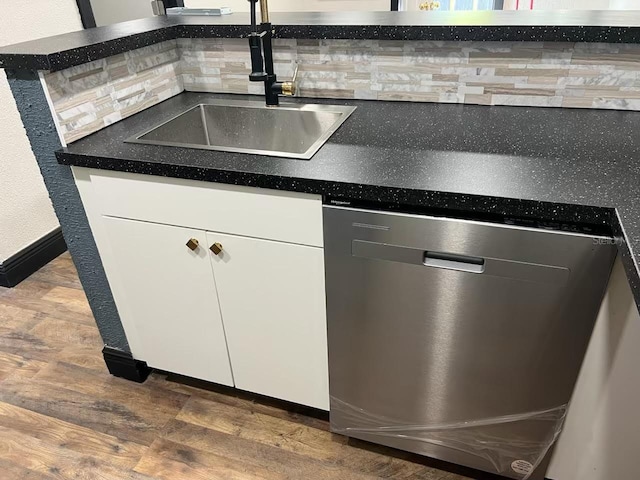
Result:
253,212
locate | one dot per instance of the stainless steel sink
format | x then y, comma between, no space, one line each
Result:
289,130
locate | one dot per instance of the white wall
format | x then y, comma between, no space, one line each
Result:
113,11
601,436
107,12
568,4
624,5
25,210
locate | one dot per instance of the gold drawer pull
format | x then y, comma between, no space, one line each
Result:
216,248
193,244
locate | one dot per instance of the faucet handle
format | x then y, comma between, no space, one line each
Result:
290,88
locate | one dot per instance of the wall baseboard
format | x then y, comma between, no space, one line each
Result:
122,364
28,260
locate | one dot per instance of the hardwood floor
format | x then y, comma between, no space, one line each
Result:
62,415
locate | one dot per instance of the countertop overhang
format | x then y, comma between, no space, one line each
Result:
544,165
63,51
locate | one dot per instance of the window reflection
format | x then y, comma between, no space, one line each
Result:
468,5
459,5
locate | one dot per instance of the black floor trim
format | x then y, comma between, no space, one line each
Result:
122,364
28,260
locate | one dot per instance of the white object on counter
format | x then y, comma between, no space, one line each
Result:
199,11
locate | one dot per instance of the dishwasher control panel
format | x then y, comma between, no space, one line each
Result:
544,221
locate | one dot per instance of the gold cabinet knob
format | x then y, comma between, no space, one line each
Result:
216,248
192,244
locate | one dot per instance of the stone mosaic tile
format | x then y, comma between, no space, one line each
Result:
573,75
92,96
583,75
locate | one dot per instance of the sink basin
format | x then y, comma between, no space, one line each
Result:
289,130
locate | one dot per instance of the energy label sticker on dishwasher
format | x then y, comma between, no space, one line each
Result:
521,466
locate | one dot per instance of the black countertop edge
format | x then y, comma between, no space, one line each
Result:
459,205
441,33
588,215
75,48
630,264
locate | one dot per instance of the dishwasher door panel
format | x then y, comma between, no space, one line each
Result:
433,321
446,335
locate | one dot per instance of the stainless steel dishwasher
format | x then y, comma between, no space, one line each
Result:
456,339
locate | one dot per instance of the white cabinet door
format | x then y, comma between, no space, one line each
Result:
273,306
171,298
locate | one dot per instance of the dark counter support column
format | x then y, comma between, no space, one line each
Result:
38,122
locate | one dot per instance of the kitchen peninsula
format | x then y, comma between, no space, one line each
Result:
452,119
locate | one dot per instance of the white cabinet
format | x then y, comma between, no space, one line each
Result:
601,433
171,298
253,316
273,305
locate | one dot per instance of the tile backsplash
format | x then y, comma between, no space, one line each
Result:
88,97
582,75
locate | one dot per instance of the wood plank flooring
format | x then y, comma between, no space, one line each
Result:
62,416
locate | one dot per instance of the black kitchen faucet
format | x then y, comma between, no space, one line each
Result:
260,44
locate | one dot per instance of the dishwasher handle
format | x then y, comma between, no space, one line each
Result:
494,267
452,261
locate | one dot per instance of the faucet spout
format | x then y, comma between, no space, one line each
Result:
264,11
261,49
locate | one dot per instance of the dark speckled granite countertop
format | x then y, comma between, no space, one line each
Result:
542,165
63,51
